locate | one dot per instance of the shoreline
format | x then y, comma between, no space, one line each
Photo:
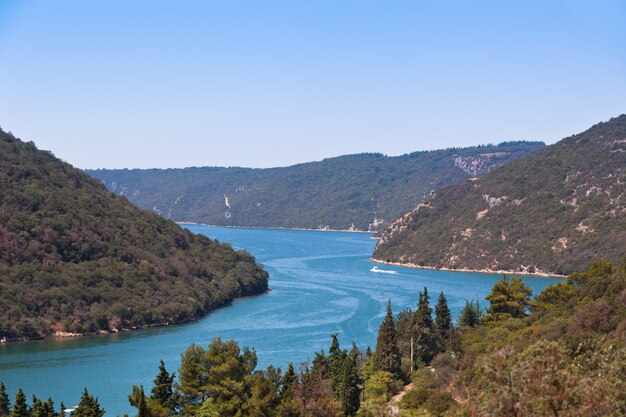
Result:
478,271
276,228
60,335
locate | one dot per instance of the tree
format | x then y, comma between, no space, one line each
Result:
387,354
443,322
349,391
5,403
470,314
88,406
142,408
162,391
220,373
423,330
208,409
20,407
508,299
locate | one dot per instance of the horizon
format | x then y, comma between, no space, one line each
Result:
159,85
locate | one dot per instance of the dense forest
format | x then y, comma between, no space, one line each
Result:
553,211
76,258
560,353
363,192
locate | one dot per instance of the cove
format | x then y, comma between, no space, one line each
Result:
320,284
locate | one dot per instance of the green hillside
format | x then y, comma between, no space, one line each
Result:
553,211
363,192
76,258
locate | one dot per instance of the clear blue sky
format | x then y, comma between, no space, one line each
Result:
265,83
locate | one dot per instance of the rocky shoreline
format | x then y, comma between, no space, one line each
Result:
481,271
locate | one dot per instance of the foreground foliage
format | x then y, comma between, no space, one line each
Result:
76,258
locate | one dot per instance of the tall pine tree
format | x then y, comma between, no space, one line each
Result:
162,391
387,354
20,407
88,406
470,314
349,392
5,403
424,331
443,322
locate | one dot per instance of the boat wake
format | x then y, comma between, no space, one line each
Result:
382,271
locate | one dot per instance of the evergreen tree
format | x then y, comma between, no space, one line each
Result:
49,407
508,299
61,413
38,409
424,313
443,322
349,392
5,403
20,407
470,314
425,337
355,354
142,407
162,392
88,406
387,354
287,381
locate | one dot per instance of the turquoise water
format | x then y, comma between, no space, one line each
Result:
320,284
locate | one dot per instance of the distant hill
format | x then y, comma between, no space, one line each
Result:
553,211
76,258
361,192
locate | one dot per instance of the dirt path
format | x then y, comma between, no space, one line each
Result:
394,404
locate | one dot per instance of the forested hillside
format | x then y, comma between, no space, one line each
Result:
76,258
553,211
361,192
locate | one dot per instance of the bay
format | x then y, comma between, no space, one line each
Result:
320,283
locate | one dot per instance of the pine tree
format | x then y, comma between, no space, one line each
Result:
470,314
335,360
355,354
424,312
88,406
424,332
142,407
38,409
287,381
5,403
349,392
20,407
508,299
162,391
443,322
387,354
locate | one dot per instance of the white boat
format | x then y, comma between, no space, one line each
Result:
382,271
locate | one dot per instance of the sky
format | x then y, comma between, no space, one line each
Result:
140,84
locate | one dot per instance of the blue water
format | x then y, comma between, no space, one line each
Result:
320,284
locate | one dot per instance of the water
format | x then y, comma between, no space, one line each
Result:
320,284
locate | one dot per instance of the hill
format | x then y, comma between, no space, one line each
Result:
76,258
360,192
553,211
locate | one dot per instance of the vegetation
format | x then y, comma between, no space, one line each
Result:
363,191
559,354
553,211
76,258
